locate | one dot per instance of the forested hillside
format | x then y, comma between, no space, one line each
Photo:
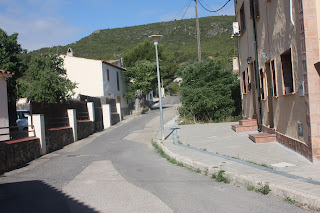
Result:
179,40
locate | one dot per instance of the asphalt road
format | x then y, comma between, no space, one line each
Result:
119,171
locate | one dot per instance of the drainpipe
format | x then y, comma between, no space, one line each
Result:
256,65
291,12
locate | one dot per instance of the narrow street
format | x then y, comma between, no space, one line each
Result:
119,171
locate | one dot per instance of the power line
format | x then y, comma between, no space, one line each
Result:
186,5
213,11
209,6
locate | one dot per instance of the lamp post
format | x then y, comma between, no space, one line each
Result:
156,39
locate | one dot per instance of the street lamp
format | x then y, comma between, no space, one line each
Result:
156,39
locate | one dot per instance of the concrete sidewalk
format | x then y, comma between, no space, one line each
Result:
213,147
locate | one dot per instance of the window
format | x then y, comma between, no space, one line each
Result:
249,80
274,79
244,86
108,74
242,18
118,84
262,85
286,62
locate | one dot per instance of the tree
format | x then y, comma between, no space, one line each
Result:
46,80
146,51
10,61
141,80
208,92
143,51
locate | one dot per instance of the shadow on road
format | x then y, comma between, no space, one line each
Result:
37,196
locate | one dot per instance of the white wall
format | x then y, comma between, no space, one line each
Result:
110,86
4,120
87,73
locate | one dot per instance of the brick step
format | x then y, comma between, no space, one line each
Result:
248,122
262,137
240,128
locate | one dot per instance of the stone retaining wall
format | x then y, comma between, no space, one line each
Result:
85,128
16,153
57,138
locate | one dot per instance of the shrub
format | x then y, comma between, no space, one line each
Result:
208,92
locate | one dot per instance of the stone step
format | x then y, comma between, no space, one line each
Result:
240,128
262,137
248,122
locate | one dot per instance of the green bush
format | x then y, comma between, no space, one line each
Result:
208,92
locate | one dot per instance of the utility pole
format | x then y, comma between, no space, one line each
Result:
198,31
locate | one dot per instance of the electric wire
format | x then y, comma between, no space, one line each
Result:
213,11
186,5
209,6
185,12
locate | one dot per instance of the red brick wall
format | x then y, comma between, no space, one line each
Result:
313,83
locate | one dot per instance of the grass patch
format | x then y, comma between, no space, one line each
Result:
250,188
291,201
172,160
300,205
263,188
188,121
219,177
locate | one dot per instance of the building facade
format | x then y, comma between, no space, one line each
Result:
279,55
4,117
96,78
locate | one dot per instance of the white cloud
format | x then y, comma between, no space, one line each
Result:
42,32
37,27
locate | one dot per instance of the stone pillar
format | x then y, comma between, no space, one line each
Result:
119,110
72,114
90,107
106,112
39,131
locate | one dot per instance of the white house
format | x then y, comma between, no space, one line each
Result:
4,118
96,78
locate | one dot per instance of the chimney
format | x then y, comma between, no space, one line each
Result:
70,52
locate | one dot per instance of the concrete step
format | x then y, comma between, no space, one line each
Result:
248,122
240,128
262,137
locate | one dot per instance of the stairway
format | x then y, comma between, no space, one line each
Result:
262,137
246,125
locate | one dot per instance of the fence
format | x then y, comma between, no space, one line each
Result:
15,132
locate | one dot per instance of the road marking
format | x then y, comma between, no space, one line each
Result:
101,187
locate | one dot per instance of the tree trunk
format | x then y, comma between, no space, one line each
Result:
137,106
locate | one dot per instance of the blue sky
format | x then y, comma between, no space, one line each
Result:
45,23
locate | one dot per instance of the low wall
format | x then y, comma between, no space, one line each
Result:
85,128
115,118
57,138
16,153
126,111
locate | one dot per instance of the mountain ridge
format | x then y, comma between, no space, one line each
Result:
179,40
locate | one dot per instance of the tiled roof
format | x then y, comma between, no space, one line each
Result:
5,72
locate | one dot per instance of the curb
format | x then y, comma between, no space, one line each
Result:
244,181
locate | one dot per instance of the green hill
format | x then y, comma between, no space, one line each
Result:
179,40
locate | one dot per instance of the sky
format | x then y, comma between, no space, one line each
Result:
46,23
